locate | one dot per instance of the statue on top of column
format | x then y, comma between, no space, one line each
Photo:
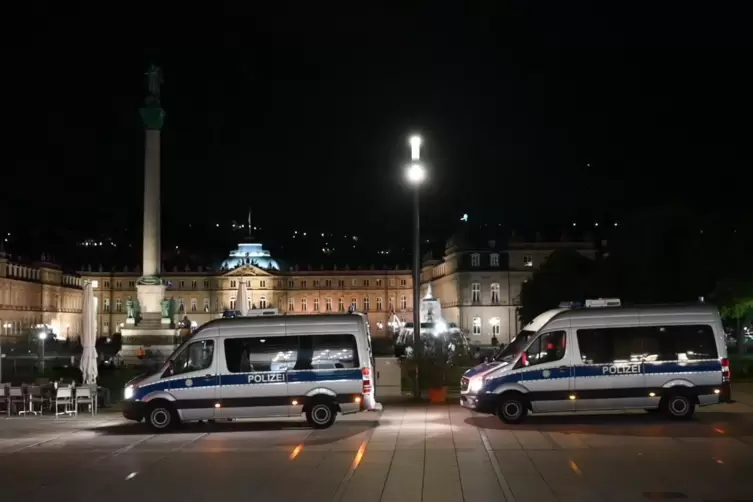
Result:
154,82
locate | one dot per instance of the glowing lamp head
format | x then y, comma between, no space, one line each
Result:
415,147
416,174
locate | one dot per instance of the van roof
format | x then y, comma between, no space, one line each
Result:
657,313
286,320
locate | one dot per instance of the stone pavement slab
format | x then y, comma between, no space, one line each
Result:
405,453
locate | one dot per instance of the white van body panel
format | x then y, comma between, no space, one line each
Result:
215,392
575,383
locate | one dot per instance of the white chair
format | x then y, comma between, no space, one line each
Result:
35,399
16,400
64,397
84,396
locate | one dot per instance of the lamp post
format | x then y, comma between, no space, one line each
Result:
6,328
416,175
43,337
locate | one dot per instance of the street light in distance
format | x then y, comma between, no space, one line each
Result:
416,174
415,147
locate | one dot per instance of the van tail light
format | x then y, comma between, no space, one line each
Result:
726,371
366,372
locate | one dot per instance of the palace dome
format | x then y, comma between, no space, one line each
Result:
250,253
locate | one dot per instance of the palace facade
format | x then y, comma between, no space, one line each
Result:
36,295
477,283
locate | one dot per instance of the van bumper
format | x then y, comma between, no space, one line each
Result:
134,410
481,403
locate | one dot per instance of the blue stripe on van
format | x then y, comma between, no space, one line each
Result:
581,371
242,379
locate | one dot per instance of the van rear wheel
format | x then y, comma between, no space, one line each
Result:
321,414
679,406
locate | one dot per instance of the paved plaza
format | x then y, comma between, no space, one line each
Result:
405,453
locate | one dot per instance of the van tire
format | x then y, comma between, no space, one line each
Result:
679,405
161,416
321,414
512,408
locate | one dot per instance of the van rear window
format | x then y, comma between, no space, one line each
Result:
647,343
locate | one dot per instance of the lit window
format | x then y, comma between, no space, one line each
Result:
494,260
366,303
495,293
194,303
316,304
291,304
262,302
403,303
494,322
304,304
232,303
328,305
476,326
379,303
341,305
475,260
476,292
528,261
354,303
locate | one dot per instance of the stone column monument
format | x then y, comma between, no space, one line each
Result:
148,331
151,290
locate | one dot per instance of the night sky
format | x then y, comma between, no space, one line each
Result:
534,114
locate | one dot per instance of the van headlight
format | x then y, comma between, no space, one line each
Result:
128,392
475,385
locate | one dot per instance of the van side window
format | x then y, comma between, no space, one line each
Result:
547,348
646,343
611,345
195,357
681,343
327,352
272,353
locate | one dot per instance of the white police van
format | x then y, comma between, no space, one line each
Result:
662,358
266,366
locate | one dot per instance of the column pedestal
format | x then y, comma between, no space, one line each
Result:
150,297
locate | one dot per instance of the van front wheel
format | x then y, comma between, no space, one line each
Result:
512,408
161,416
321,415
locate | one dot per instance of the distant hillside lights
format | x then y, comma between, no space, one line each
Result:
93,243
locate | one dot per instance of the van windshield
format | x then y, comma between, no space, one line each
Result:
519,343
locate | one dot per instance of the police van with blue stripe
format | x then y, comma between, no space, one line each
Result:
663,358
256,367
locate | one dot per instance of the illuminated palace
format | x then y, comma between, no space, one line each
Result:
478,285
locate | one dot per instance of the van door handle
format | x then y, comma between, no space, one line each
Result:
208,376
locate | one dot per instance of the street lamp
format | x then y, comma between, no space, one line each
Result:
415,147
416,175
6,328
42,337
